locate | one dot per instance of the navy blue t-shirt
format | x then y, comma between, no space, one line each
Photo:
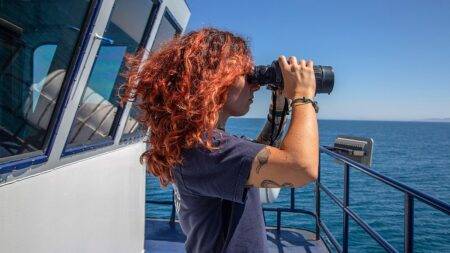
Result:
217,212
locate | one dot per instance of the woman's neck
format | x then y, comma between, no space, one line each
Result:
223,117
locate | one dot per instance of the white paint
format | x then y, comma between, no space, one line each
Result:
93,201
94,205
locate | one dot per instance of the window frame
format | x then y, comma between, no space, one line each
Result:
173,21
120,114
24,160
137,136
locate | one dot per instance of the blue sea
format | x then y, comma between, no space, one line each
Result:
414,153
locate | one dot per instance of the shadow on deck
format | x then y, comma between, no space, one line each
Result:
161,237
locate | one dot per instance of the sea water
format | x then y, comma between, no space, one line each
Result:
414,153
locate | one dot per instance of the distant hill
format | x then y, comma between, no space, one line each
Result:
447,120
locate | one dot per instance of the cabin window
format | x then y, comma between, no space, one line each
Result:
42,59
167,29
37,42
99,111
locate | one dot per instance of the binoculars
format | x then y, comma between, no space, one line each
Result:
271,76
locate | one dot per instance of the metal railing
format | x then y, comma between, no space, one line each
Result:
290,209
165,203
410,196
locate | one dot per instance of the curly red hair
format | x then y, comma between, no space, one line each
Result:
181,88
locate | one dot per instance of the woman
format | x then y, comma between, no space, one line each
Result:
187,90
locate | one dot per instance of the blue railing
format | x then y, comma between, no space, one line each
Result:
410,196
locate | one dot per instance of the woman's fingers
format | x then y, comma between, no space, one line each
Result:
293,63
292,60
302,63
298,78
283,62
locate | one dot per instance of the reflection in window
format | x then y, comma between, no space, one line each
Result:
166,30
42,59
97,114
132,126
101,78
33,67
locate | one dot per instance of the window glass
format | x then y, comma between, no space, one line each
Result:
166,30
37,41
99,111
42,59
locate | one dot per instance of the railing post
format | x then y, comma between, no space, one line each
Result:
172,214
292,198
278,221
409,223
318,201
344,213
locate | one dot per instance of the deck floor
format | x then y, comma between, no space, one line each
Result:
160,236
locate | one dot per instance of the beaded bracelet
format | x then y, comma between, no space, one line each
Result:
305,100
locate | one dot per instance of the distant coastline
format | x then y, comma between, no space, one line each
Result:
436,120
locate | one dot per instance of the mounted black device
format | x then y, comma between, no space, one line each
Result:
359,149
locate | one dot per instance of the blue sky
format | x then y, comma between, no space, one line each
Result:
391,58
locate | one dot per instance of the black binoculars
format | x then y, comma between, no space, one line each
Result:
271,76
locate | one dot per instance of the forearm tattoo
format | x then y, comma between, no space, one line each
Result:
272,184
263,158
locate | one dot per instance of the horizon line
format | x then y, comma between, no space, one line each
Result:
432,120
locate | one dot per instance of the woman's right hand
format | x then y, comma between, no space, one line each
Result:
298,77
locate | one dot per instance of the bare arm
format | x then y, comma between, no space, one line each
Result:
295,163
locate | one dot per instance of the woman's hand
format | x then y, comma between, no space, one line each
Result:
298,77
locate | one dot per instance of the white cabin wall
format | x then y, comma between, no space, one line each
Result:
93,201
93,205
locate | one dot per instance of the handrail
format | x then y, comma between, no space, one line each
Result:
359,220
436,203
410,195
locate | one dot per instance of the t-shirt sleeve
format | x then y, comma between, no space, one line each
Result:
220,173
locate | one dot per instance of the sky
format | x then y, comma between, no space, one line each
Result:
391,58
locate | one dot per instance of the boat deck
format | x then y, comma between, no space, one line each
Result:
160,236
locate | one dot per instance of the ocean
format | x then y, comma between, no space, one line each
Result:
414,153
